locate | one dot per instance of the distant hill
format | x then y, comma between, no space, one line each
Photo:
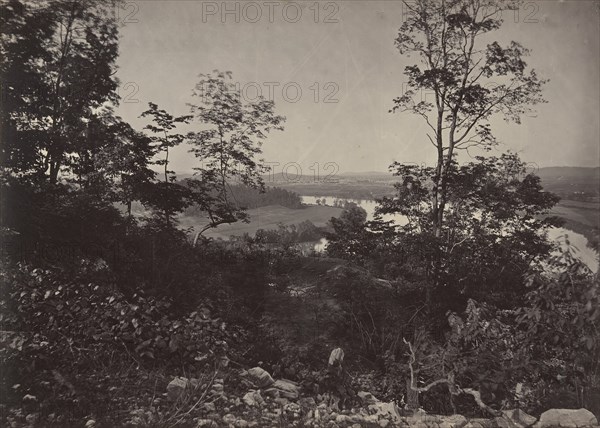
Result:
571,182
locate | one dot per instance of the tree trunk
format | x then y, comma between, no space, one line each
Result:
412,397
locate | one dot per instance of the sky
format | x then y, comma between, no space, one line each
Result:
333,70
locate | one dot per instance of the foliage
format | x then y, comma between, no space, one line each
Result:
470,82
350,239
495,227
289,235
70,330
228,145
562,328
57,68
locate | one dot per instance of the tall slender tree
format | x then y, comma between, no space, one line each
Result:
228,145
169,197
471,78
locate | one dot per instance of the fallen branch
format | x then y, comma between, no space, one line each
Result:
454,389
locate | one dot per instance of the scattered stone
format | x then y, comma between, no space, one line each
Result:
308,402
176,388
253,399
209,407
281,401
260,377
206,423
567,418
229,419
386,411
31,418
480,423
284,388
241,423
343,419
384,423
30,398
454,421
367,398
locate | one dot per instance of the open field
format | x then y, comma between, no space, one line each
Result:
266,218
581,217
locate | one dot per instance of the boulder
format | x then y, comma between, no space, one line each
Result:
386,411
367,398
566,418
177,387
515,418
481,423
284,388
260,377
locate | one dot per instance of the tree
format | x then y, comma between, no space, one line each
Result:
167,196
350,238
58,61
228,145
163,138
470,82
494,229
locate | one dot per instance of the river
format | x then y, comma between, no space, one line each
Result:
578,242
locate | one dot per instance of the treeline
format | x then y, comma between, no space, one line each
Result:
246,197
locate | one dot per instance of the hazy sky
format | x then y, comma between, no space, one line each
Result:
348,57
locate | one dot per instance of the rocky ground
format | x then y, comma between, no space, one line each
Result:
272,402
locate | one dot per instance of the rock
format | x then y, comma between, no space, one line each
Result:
284,388
253,399
386,411
260,377
176,388
194,383
343,419
336,358
383,423
292,407
308,402
281,401
454,421
367,398
90,424
208,407
567,418
515,418
28,398
241,423
481,423
206,423
229,419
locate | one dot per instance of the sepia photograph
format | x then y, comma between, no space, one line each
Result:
300,213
